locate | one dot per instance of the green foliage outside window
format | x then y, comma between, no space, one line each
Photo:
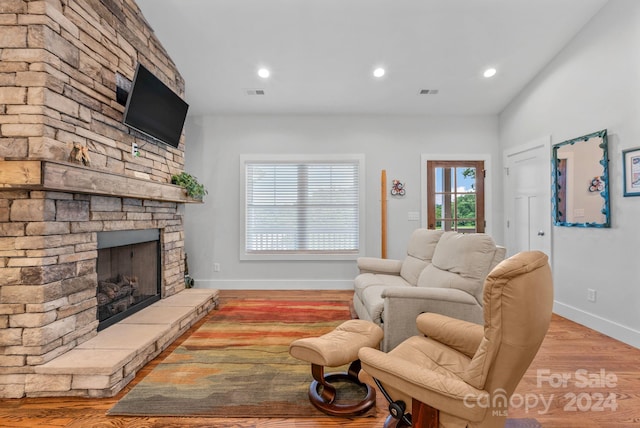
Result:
466,209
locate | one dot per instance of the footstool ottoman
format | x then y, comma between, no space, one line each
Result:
334,349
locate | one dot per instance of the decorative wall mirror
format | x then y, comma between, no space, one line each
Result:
581,182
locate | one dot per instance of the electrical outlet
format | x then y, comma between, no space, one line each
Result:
216,267
591,294
134,150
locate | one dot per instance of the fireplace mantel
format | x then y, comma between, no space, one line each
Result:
62,176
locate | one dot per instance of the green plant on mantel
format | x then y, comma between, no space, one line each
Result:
190,184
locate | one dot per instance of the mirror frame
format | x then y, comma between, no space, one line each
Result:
604,161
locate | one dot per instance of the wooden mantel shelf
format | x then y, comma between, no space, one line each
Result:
61,176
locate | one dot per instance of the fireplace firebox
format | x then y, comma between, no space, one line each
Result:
129,275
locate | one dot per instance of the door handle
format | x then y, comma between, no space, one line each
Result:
541,233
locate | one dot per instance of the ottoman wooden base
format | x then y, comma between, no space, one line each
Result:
322,392
334,349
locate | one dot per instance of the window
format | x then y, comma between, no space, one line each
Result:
302,207
455,192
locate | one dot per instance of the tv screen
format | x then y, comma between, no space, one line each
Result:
154,109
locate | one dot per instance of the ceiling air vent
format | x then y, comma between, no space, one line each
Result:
428,91
255,91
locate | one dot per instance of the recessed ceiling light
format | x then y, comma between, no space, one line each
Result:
490,72
264,73
378,72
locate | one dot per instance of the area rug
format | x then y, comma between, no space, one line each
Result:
237,364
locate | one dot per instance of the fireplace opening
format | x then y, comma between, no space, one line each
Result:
129,277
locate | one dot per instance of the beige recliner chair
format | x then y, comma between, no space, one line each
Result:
464,373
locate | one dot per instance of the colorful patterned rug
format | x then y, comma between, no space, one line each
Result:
237,364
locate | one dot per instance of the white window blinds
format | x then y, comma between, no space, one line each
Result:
302,207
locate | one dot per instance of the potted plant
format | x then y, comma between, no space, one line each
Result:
194,188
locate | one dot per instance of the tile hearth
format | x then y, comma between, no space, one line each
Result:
101,366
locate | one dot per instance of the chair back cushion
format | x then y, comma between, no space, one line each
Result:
422,245
462,261
518,301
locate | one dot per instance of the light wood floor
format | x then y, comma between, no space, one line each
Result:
568,347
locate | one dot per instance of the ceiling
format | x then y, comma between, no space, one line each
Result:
322,53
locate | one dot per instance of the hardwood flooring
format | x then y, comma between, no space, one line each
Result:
570,352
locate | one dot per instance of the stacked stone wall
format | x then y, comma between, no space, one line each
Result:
58,65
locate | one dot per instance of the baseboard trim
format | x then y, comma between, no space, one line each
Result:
602,325
275,284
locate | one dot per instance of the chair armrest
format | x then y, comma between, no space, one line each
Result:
402,305
430,293
376,265
450,395
463,336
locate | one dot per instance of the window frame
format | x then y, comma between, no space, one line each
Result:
478,165
302,159
488,184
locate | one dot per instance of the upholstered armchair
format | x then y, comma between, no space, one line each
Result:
463,374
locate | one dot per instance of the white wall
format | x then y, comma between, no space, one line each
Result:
594,83
394,143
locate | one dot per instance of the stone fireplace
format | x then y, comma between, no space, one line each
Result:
128,269
58,65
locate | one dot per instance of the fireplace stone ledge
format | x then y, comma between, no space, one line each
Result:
103,365
59,176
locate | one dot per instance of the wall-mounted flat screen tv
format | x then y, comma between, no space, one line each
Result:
154,109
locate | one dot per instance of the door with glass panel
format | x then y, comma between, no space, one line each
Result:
455,191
